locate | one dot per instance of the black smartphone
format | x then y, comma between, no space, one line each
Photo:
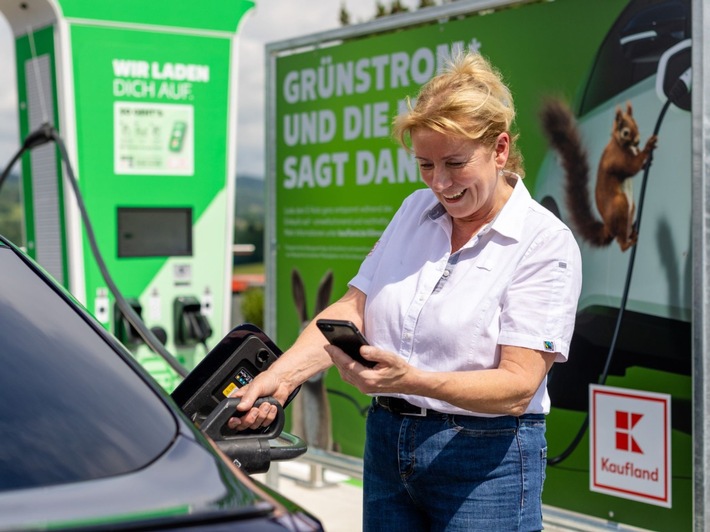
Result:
345,335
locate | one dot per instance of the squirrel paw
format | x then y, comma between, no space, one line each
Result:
651,143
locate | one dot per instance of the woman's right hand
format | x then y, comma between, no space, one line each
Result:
305,358
265,384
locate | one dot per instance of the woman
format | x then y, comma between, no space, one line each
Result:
468,299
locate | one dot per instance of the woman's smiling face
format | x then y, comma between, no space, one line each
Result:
463,173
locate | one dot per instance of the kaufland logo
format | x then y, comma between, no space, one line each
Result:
630,444
624,441
625,422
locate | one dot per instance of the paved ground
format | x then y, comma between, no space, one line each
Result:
337,502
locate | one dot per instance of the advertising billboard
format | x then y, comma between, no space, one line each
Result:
335,178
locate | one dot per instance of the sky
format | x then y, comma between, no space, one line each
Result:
269,21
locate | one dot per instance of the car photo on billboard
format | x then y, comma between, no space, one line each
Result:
641,71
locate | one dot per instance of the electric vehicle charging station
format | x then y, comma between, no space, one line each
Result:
144,97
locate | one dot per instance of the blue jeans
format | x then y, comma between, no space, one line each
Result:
446,472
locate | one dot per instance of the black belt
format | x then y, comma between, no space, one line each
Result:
405,408
402,407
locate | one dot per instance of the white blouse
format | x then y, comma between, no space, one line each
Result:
516,282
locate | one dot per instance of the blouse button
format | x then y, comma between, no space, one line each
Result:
446,273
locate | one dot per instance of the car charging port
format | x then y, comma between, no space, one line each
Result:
205,397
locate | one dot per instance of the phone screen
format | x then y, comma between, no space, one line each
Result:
345,335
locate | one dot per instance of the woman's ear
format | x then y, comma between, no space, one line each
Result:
502,149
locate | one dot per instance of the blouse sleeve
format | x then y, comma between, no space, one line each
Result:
539,307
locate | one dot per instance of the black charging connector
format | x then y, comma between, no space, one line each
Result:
190,325
123,330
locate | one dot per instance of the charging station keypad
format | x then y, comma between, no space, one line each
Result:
240,374
241,378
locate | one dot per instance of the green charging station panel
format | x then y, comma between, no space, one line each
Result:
144,96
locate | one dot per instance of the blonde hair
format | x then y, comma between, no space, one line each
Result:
468,99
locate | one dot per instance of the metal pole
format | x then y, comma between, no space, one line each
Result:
270,181
701,263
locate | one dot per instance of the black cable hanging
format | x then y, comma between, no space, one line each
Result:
42,135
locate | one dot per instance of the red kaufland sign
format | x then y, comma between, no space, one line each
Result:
630,444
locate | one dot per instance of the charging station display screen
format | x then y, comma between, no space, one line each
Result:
154,232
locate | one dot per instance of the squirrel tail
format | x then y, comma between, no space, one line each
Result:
562,133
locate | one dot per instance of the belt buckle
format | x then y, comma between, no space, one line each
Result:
421,413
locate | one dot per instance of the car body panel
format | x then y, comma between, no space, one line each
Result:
141,494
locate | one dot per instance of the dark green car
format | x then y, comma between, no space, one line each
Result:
89,441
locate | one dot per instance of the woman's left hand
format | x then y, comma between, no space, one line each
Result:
387,376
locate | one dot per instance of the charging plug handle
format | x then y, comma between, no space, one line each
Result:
215,424
252,451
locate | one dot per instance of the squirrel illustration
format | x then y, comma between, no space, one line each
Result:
619,162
